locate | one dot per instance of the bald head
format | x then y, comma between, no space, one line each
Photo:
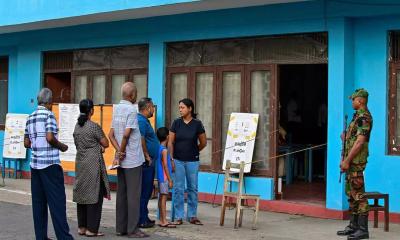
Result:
129,92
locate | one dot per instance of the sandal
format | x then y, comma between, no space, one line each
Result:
138,234
195,221
90,234
168,225
82,232
174,223
177,222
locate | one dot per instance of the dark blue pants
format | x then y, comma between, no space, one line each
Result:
147,189
47,186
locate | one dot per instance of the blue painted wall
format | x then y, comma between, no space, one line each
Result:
14,94
212,183
357,58
340,80
371,72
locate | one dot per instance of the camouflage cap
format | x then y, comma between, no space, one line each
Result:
361,92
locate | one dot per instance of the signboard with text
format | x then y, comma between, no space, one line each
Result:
14,136
240,139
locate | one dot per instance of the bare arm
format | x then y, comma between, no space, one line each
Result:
118,155
202,141
125,139
104,142
27,142
53,141
171,143
113,141
145,151
165,164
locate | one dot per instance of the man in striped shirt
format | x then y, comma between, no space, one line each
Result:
47,178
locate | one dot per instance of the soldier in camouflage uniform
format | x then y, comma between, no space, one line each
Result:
354,163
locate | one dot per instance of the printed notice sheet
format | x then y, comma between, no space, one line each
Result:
68,115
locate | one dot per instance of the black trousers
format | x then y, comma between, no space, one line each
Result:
89,215
128,199
147,190
48,190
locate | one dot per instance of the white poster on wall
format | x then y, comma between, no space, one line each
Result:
240,139
68,115
14,136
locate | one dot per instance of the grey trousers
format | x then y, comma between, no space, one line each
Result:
128,199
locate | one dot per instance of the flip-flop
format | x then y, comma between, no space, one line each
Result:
195,221
99,234
138,234
82,233
177,222
173,223
167,225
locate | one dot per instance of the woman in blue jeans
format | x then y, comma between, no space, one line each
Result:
187,138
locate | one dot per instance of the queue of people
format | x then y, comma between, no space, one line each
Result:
141,154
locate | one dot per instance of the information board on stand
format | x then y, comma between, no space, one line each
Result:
14,136
240,139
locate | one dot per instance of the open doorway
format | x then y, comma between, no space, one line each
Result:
60,84
303,92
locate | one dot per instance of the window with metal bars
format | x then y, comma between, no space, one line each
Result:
394,93
96,73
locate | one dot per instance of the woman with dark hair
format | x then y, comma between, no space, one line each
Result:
187,138
91,181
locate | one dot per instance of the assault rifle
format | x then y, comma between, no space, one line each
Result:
343,145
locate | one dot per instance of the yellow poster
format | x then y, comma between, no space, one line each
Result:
102,116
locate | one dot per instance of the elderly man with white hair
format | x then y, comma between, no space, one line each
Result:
126,139
47,178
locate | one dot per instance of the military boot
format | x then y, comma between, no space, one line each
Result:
362,231
351,228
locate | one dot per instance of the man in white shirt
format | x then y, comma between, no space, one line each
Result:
126,139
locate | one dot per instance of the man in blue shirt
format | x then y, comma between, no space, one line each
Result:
150,147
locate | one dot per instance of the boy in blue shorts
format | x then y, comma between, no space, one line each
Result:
164,171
